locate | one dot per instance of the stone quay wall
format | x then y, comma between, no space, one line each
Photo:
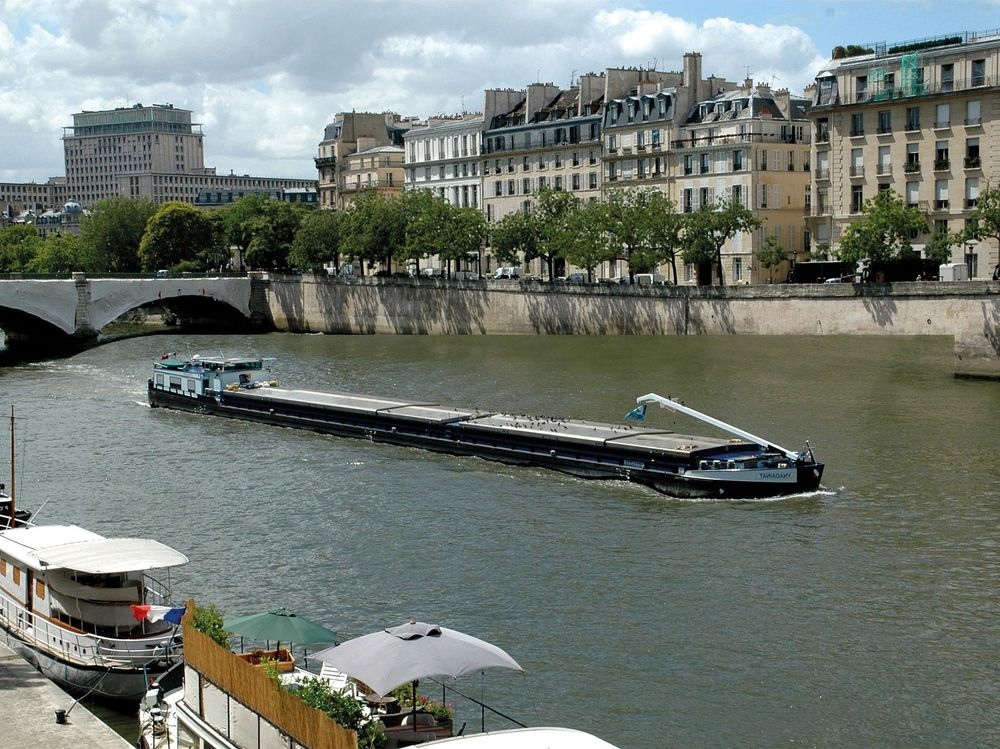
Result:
969,312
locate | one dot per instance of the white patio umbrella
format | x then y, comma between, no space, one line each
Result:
390,657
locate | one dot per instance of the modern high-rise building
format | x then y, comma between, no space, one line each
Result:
154,152
921,118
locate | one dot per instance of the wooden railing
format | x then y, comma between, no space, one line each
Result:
250,686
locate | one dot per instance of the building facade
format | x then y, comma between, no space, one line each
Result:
920,118
349,133
748,145
444,158
154,152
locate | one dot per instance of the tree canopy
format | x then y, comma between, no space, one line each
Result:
111,233
884,233
707,229
177,232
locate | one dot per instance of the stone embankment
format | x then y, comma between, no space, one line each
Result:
967,312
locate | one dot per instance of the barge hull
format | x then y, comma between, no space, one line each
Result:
582,449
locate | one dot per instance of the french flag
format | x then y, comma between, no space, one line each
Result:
150,613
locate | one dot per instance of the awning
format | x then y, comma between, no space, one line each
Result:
110,555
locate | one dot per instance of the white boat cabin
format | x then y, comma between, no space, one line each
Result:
209,375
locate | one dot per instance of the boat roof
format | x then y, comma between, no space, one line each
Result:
525,738
75,548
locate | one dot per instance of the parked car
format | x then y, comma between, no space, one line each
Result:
574,277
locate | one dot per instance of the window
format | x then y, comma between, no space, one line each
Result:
497,188
857,162
737,195
737,161
576,181
688,200
705,197
884,162
884,122
942,115
912,194
526,186
576,159
737,269
763,159
822,201
822,165
861,87
857,124
979,72
912,118
971,192
525,164
857,199
912,158
941,160
558,163
688,164
947,77
704,164
822,130
592,181
972,153
791,161
941,194
973,113
559,182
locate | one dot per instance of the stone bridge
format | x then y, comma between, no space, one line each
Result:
56,317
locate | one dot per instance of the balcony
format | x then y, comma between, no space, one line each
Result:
322,161
942,125
858,171
857,133
941,205
942,165
884,170
971,203
972,162
911,166
883,130
973,121
822,174
823,137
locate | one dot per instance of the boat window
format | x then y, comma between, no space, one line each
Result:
17,575
39,589
3,567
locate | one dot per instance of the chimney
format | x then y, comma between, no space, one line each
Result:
692,74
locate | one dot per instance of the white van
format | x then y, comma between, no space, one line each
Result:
650,279
507,271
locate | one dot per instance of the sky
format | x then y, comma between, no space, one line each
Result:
264,77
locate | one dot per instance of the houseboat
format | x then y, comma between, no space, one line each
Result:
84,609
682,465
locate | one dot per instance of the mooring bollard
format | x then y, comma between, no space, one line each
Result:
61,717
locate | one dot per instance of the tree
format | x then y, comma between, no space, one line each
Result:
883,234
373,228
239,222
710,227
554,213
273,234
317,241
176,232
111,233
985,219
771,255
666,231
628,219
425,215
938,247
464,234
584,243
19,245
58,254
515,235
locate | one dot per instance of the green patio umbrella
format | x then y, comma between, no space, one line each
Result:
281,624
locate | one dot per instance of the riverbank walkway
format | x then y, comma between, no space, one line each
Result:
28,704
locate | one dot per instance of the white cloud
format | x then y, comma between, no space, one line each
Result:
265,77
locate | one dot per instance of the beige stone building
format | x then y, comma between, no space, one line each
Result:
378,168
749,145
920,118
347,135
444,157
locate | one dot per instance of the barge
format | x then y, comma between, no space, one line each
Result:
680,465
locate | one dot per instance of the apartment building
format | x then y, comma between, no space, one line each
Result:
372,167
750,145
541,137
444,157
154,152
18,199
921,118
349,133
